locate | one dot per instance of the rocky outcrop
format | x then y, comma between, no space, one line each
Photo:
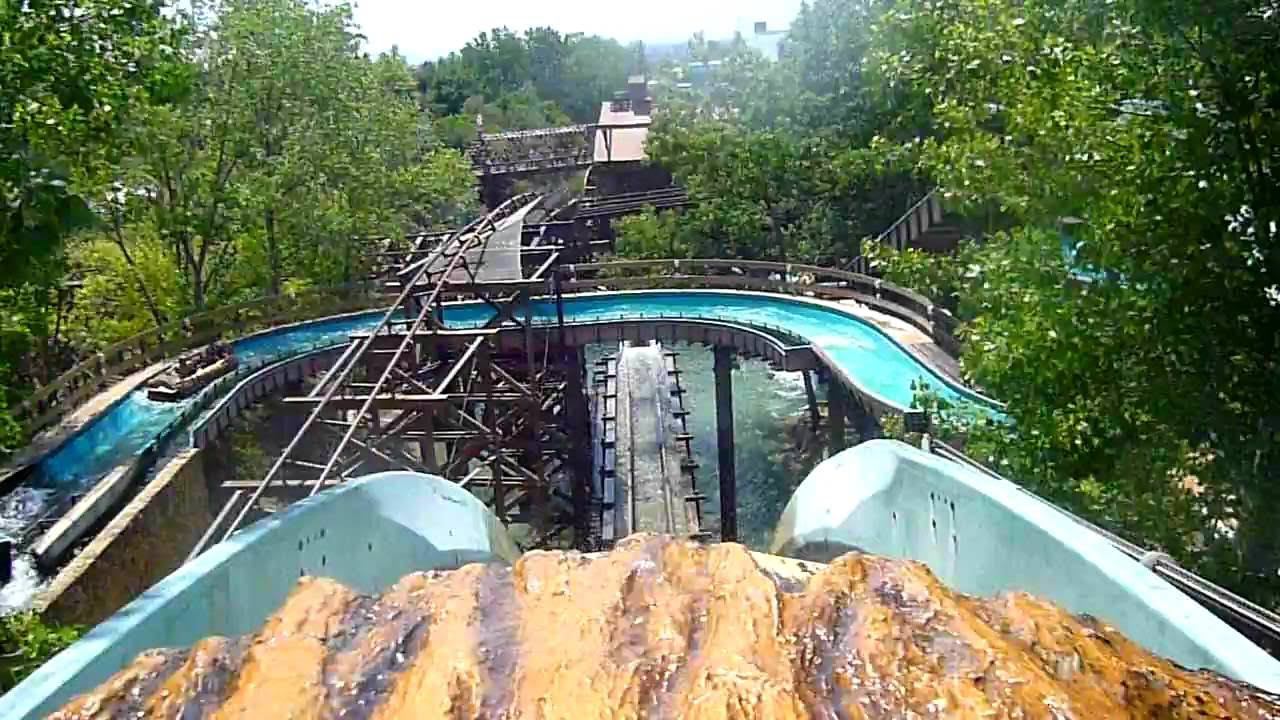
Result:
665,628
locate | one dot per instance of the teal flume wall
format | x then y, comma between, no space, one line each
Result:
366,534
983,536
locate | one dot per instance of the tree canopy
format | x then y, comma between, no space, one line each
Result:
541,78
67,81
791,160
155,166
1143,136
1115,165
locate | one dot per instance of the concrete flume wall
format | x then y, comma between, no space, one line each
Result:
366,534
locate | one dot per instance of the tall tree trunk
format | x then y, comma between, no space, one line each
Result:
117,235
775,232
51,343
197,290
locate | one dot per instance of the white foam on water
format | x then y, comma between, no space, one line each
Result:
16,594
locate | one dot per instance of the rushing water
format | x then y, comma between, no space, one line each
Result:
769,415
769,411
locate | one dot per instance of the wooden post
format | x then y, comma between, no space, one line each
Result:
578,426
6,560
864,421
815,418
724,443
427,443
539,493
484,361
837,400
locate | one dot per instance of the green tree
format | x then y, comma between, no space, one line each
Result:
574,73
67,80
27,642
1145,393
653,236
291,144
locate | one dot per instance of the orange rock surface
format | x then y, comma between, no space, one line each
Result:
663,628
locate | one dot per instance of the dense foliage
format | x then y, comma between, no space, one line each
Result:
1142,382
66,82
1120,290
539,79
155,166
26,642
791,160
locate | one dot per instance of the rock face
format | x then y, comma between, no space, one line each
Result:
665,628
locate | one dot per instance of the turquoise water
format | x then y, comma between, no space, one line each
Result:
874,361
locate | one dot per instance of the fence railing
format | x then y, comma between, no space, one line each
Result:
792,278
50,402
916,221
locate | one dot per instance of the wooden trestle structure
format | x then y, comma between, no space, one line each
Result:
498,406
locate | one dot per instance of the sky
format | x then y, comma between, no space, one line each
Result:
427,29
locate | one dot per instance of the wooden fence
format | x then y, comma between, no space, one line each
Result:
49,403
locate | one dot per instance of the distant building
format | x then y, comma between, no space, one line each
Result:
700,72
767,42
621,162
624,124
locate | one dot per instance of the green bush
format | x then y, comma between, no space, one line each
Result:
26,642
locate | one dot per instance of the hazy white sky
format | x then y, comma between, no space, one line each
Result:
426,29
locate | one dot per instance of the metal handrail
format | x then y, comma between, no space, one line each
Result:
906,215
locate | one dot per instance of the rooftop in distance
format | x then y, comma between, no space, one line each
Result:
624,124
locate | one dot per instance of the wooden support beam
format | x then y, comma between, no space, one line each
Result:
815,417
724,444
460,364
540,275
457,337
577,425
401,401
372,449
427,442
837,400
284,486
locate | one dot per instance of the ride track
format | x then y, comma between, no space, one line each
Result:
789,314
867,360
758,308
761,316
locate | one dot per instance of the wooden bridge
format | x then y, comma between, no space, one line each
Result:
556,149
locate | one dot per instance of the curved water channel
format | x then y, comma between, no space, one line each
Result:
871,359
